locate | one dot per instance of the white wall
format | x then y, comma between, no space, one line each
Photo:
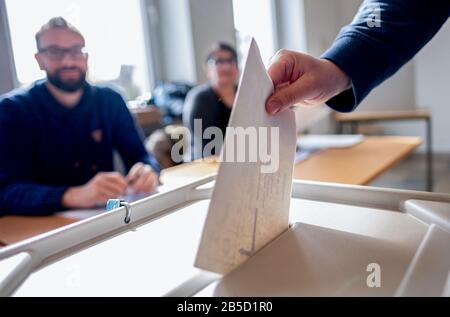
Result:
176,51
323,21
432,85
187,29
212,21
291,26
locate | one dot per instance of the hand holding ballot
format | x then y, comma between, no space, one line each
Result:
249,205
304,80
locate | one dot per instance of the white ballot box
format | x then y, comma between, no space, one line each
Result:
343,241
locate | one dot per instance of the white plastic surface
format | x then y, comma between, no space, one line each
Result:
153,256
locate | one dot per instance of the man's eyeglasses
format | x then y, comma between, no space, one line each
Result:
57,53
221,61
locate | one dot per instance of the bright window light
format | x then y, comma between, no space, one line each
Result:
113,30
254,18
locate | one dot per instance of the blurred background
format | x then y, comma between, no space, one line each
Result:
153,52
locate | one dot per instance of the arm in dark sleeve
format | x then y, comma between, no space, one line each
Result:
19,194
128,138
369,50
198,106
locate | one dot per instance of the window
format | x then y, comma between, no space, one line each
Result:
255,18
113,31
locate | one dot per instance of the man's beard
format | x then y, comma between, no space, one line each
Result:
67,85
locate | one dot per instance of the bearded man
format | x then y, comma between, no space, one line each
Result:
58,136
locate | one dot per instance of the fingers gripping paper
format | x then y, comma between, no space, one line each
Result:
250,202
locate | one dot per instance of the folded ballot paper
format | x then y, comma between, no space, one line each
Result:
251,196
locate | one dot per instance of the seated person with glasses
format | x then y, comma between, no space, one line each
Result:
212,102
58,136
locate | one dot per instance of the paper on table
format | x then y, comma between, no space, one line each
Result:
323,141
249,208
311,143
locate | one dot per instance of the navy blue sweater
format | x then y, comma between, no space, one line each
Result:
46,147
369,55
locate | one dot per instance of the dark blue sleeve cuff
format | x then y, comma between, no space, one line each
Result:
54,199
31,199
363,62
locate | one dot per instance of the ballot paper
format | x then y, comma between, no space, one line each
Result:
250,201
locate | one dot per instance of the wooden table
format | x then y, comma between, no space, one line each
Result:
353,119
357,165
